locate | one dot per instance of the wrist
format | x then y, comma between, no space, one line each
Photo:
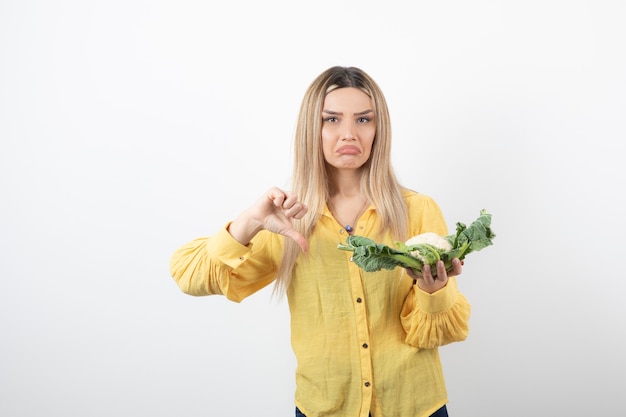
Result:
244,228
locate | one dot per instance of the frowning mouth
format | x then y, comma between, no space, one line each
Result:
348,150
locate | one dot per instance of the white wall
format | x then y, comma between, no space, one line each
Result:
130,127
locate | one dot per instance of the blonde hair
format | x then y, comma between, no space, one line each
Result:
310,175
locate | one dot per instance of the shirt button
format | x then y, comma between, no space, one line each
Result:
341,231
358,300
364,345
367,383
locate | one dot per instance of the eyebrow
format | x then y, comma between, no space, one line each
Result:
355,114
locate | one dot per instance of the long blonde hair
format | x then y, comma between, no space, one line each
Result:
310,180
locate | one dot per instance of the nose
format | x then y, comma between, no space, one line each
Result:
348,131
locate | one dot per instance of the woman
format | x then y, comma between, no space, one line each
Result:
365,343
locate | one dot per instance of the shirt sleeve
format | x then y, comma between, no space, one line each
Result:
221,265
437,319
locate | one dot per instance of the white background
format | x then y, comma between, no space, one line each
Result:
128,128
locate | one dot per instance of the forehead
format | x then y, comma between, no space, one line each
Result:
347,98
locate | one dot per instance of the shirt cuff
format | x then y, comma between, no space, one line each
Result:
440,300
226,248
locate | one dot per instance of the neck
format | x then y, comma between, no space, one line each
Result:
345,183
347,209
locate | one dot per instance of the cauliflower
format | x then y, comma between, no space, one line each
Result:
433,240
425,248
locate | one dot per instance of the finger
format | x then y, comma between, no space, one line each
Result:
290,200
427,274
300,214
457,267
277,196
442,275
296,211
412,274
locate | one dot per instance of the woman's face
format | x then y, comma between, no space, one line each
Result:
348,128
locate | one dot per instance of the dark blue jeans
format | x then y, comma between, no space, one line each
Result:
442,412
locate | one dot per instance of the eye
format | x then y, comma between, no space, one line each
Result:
330,119
363,120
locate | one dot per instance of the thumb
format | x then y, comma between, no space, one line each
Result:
298,238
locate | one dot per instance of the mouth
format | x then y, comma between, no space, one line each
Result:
348,150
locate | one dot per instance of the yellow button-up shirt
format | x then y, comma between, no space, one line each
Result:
364,341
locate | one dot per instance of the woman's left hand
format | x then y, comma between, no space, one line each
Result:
430,284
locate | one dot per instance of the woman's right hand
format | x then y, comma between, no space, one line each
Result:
273,212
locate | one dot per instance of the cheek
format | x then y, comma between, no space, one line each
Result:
327,145
367,152
369,142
